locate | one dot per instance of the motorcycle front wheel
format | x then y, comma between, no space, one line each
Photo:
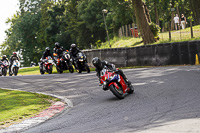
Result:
50,69
15,71
71,69
117,92
131,89
4,72
87,68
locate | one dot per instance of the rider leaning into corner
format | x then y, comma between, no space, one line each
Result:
73,52
12,58
99,65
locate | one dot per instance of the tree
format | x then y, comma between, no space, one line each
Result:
142,22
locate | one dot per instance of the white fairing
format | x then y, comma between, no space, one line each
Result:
16,63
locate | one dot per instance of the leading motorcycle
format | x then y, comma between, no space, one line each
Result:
112,81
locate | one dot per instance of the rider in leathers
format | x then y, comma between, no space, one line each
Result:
99,65
44,55
73,53
12,58
4,58
58,50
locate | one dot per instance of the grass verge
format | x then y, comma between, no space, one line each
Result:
15,106
176,36
35,71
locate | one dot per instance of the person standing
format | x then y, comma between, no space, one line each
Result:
183,21
176,21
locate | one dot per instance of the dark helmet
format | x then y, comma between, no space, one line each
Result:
96,62
4,57
73,46
14,54
47,49
57,45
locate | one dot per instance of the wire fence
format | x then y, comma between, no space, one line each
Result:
166,34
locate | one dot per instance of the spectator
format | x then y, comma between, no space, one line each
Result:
183,21
176,21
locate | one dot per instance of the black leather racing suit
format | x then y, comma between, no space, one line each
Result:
111,67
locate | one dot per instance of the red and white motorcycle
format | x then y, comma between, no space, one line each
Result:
115,83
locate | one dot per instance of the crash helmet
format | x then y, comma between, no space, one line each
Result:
47,50
73,46
14,54
4,57
57,45
97,62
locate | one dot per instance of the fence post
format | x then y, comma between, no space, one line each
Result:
170,38
191,29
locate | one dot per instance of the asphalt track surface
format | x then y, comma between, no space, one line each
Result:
166,100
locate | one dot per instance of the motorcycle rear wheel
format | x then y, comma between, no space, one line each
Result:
117,92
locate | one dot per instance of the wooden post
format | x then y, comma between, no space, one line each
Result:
126,30
122,30
170,37
191,29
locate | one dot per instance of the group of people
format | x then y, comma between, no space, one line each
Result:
10,61
99,65
58,50
181,21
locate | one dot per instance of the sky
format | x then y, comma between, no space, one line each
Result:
7,9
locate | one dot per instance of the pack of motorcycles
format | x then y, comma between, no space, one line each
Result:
4,67
110,80
64,62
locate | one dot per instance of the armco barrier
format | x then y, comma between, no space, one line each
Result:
177,53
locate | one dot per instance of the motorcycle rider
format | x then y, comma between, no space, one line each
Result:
58,49
73,52
4,57
46,53
12,58
99,65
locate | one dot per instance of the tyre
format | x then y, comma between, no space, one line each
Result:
79,70
50,69
15,71
41,71
87,68
71,69
131,91
4,72
59,70
117,92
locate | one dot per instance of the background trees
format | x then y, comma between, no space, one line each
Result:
41,23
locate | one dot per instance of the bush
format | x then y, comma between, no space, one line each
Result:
155,29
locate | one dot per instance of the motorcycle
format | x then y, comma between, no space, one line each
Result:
67,65
81,63
15,67
3,68
115,83
59,64
47,65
